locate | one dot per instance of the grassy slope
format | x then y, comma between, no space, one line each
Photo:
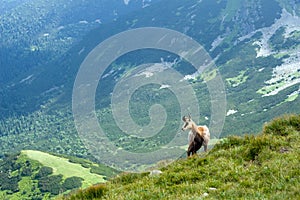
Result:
265,166
63,166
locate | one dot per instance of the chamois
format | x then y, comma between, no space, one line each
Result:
198,135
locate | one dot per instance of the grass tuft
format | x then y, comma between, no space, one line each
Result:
283,126
93,192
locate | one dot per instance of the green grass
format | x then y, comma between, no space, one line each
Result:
25,186
231,8
296,74
235,81
263,166
280,55
209,75
270,88
63,166
292,97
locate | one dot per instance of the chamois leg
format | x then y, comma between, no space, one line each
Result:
190,149
205,147
195,145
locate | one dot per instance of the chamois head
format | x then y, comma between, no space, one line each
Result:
187,122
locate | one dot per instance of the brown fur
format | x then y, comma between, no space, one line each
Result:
195,145
201,131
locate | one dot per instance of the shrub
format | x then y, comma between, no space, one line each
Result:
229,142
255,146
26,171
104,171
83,162
294,121
283,126
72,182
9,183
96,191
51,184
43,172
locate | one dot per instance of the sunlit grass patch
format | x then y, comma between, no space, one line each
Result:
63,166
235,81
270,88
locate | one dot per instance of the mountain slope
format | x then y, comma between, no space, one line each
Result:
34,175
265,166
250,42
35,32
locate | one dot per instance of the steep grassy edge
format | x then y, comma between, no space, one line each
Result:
265,166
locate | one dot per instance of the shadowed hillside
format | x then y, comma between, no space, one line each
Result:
265,166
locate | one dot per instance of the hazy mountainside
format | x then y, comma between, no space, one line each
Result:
254,44
37,175
265,166
34,32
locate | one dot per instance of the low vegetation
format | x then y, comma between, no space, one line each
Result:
63,166
263,166
38,175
